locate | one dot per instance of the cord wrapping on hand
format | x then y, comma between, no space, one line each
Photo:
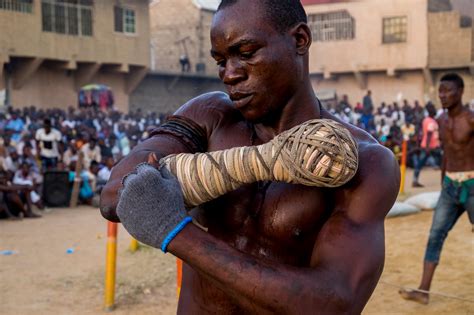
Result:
319,152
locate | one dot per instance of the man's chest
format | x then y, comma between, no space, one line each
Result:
269,219
455,132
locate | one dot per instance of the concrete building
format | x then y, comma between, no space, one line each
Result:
49,49
180,29
397,48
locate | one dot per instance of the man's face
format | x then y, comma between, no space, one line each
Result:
109,162
258,65
25,170
449,94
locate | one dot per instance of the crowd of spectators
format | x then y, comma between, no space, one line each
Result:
84,142
392,124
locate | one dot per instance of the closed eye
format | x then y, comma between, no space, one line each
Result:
247,54
221,63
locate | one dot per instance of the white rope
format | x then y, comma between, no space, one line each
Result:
428,292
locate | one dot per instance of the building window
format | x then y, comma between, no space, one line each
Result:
332,26
394,29
124,20
24,6
71,17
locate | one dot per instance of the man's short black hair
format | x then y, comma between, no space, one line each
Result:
455,78
283,13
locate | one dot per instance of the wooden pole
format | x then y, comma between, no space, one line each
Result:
403,167
110,263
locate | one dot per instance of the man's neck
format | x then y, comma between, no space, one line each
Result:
301,107
455,110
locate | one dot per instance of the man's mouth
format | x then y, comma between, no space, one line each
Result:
240,100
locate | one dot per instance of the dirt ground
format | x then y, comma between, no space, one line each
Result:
42,278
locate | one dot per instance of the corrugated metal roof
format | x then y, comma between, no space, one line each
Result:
210,5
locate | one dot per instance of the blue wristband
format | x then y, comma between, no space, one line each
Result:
175,232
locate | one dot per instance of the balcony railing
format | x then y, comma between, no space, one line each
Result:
24,6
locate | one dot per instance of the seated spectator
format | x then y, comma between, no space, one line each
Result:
396,132
12,161
27,156
104,173
383,131
116,151
16,198
25,177
70,154
3,157
91,152
27,140
408,130
4,211
105,151
16,126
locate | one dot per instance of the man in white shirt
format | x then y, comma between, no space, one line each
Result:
47,139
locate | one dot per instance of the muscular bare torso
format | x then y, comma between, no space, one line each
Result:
270,220
457,136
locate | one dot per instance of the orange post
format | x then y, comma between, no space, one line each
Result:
179,275
110,263
403,167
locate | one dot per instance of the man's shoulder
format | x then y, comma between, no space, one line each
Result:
371,193
374,158
469,114
208,106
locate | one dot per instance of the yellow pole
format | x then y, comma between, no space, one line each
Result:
133,245
403,167
110,266
179,275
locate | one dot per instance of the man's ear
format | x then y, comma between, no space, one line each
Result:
303,38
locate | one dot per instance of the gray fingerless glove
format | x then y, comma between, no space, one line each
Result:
151,206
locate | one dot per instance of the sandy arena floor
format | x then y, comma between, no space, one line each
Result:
41,278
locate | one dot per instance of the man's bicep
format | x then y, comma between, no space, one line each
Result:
353,252
351,242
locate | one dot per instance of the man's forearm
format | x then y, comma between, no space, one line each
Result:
248,279
161,146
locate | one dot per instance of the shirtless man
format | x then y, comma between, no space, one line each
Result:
457,194
270,247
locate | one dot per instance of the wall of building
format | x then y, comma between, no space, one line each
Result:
49,87
47,69
407,85
22,35
179,27
450,46
164,93
366,52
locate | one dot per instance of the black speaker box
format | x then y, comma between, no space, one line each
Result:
56,189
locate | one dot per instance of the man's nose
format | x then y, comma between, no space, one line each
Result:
233,72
